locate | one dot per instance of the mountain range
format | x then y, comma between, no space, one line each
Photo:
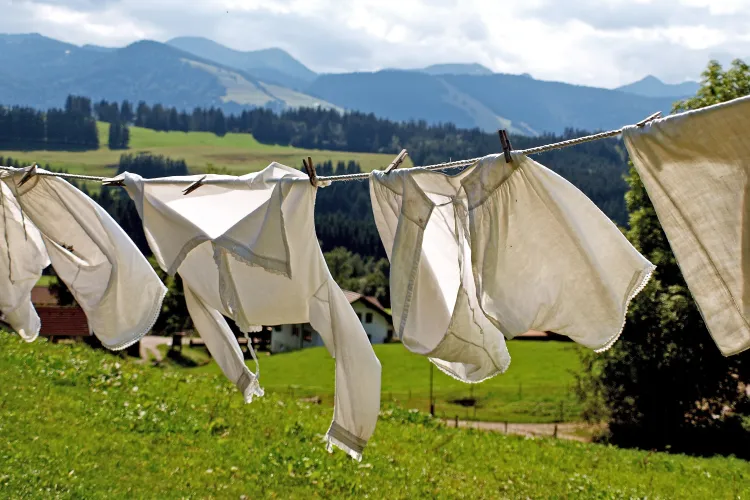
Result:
187,72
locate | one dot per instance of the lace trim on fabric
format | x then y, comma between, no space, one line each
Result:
346,441
643,282
249,386
186,249
141,332
247,256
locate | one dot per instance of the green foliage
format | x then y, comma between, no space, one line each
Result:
366,275
119,135
78,423
665,383
72,128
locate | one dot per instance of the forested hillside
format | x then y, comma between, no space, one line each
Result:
344,221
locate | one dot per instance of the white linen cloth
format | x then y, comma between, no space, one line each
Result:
695,167
22,260
246,248
514,246
110,279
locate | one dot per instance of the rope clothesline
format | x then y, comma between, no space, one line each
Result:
365,175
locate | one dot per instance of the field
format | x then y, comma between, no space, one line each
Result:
536,387
239,153
75,423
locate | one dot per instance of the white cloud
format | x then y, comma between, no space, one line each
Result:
592,42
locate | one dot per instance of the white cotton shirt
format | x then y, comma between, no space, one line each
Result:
108,276
22,260
246,248
496,251
695,167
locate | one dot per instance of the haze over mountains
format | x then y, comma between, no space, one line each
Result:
188,72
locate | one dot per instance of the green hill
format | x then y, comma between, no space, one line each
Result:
536,387
75,423
239,153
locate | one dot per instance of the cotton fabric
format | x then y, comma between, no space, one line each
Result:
108,276
246,248
496,251
695,167
22,260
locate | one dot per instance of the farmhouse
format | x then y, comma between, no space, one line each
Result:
374,317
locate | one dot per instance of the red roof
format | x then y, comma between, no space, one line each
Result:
64,321
40,295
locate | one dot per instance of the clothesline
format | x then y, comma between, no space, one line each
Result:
365,175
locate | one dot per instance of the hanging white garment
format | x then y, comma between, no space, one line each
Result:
695,167
514,246
108,276
246,248
22,259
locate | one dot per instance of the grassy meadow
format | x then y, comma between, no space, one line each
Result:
79,423
536,387
238,153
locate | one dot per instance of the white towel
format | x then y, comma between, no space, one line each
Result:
695,167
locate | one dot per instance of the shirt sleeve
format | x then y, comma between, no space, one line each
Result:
357,398
222,344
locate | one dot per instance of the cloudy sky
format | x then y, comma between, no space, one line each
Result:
593,42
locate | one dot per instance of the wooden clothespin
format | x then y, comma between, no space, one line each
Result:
113,182
192,187
505,143
397,161
30,172
310,169
648,119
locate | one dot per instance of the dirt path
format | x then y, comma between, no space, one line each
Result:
150,347
574,431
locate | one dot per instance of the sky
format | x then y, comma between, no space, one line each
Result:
603,43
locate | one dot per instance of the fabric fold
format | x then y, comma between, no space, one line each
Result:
246,249
495,251
695,167
109,277
22,260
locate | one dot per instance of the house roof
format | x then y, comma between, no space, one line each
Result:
69,321
41,296
374,303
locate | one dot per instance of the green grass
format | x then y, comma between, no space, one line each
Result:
46,280
536,387
75,423
239,153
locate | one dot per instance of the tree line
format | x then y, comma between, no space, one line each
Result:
70,128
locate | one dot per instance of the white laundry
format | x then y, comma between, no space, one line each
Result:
695,167
514,246
246,248
22,259
110,279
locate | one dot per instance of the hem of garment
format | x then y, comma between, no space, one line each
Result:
183,253
345,441
644,281
736,351
154,316
456,377
249,388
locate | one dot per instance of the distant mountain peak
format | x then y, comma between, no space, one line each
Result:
473,69
651,86
271,64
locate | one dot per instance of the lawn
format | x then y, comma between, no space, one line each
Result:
536,387
75,423
239,153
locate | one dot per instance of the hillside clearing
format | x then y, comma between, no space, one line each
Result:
536,387
75,423
238,153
